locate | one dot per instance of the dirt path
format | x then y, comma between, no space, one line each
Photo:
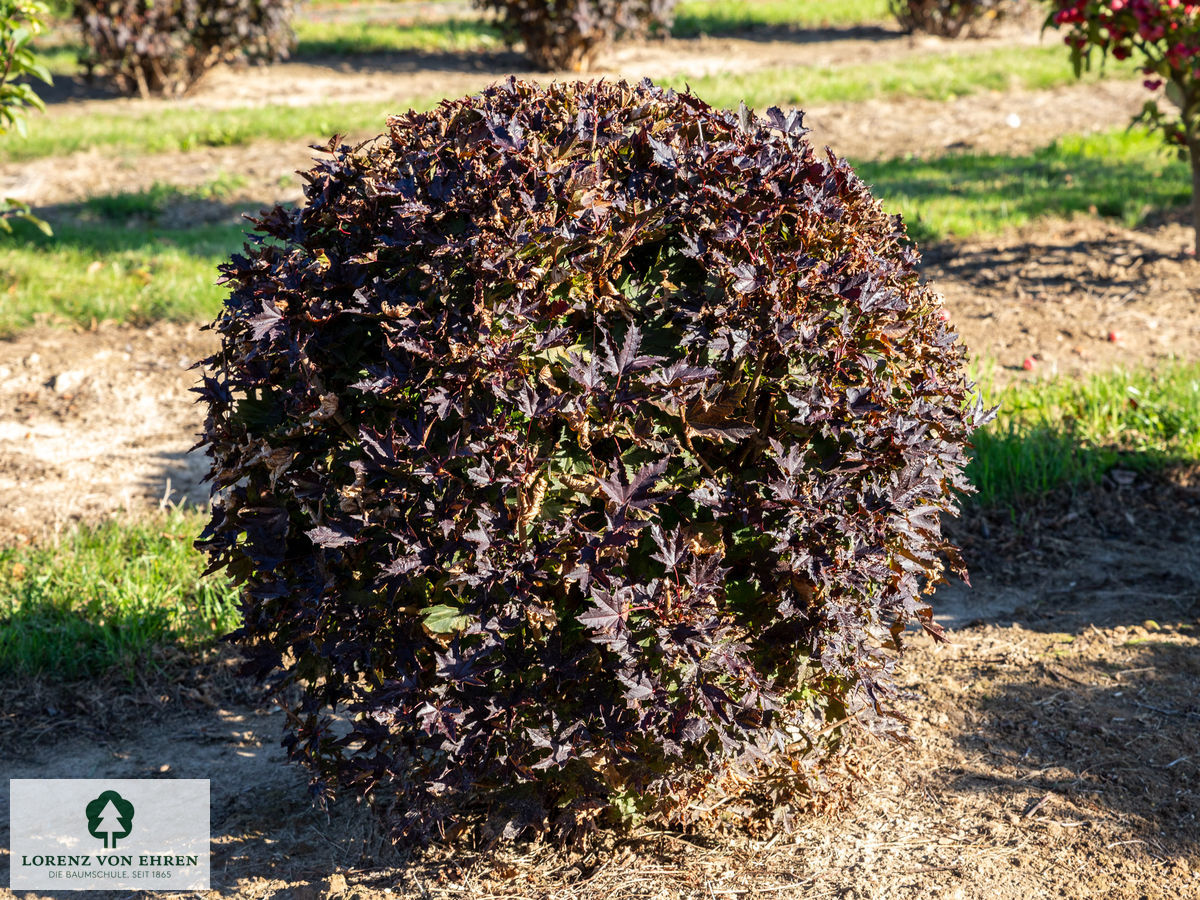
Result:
408,75
1014,122
96,423
1075,297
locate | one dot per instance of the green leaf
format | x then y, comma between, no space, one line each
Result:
40,224
443,619
1175,94
39,71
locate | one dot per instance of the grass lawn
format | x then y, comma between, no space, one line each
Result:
97,272
184,129
389,27
1124,175
694,17
103,598
940,77
92,270
1051,434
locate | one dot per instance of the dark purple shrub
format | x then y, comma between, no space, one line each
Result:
567,34
953,18
582,446
152,47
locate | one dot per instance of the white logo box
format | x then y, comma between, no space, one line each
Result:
82,834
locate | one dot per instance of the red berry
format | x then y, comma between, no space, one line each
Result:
1113,337
1028,364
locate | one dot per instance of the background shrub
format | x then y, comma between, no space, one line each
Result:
153,47
584,445
951,18
567,34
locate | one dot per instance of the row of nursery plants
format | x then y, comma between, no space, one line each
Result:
163,48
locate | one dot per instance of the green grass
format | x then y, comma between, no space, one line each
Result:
928,77
379,32
60,59
103,598
693,17
1064,433
351,38
94,272
773,12
317,40
184,129
140,272
1122,174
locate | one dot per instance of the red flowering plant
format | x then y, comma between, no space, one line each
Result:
1165,37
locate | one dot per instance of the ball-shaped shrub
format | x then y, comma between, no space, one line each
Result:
568,34
157,47
581,446
953,18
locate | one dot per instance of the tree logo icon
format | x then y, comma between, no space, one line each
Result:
110,817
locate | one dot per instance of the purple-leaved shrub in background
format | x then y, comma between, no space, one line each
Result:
953,18
154,47
568,34
584,447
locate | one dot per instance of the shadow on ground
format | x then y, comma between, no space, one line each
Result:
1116,554
1101,733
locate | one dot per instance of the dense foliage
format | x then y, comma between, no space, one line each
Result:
567,34
20,21
151,47
586,446
1164,37
950,18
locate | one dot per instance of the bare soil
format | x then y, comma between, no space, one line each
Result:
96,423
1073,297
